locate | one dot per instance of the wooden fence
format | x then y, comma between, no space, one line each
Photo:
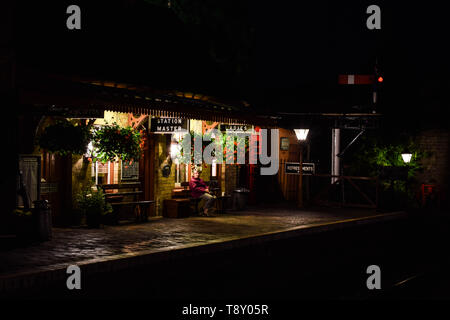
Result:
288,183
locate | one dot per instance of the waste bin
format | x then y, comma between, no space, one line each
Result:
43,219
240,198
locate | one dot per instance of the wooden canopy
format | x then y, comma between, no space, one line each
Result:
53,91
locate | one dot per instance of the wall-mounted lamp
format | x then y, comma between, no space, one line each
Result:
301,134
407,157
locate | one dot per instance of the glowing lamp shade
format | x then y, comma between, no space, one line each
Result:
380,79
406,157
301,134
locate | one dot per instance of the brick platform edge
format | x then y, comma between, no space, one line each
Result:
43,276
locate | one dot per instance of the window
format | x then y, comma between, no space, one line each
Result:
104,173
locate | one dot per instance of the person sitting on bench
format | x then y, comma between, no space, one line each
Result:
199,190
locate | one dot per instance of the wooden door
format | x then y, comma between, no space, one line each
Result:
57,170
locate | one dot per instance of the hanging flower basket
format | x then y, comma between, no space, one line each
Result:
112,142
238,142
64,138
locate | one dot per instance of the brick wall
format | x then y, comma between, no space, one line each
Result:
163,186
436,167
81,174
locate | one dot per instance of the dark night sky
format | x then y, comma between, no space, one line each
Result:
294,55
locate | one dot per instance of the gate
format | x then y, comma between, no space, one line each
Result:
345,191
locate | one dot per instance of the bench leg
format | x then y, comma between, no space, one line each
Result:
137,213
217,204
144,213
195,203
140,213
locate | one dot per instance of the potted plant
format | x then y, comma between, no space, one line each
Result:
111,142
65,137
93,205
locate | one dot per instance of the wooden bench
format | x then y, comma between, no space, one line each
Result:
121,198
186,193
176,208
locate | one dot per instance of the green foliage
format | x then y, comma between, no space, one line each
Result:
92,202
238,141
64,138
22,213
375,152
112,142
185,158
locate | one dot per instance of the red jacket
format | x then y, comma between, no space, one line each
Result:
197,187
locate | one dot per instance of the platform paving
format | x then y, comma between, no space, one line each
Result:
117,247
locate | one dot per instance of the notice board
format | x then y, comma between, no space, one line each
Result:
129,171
